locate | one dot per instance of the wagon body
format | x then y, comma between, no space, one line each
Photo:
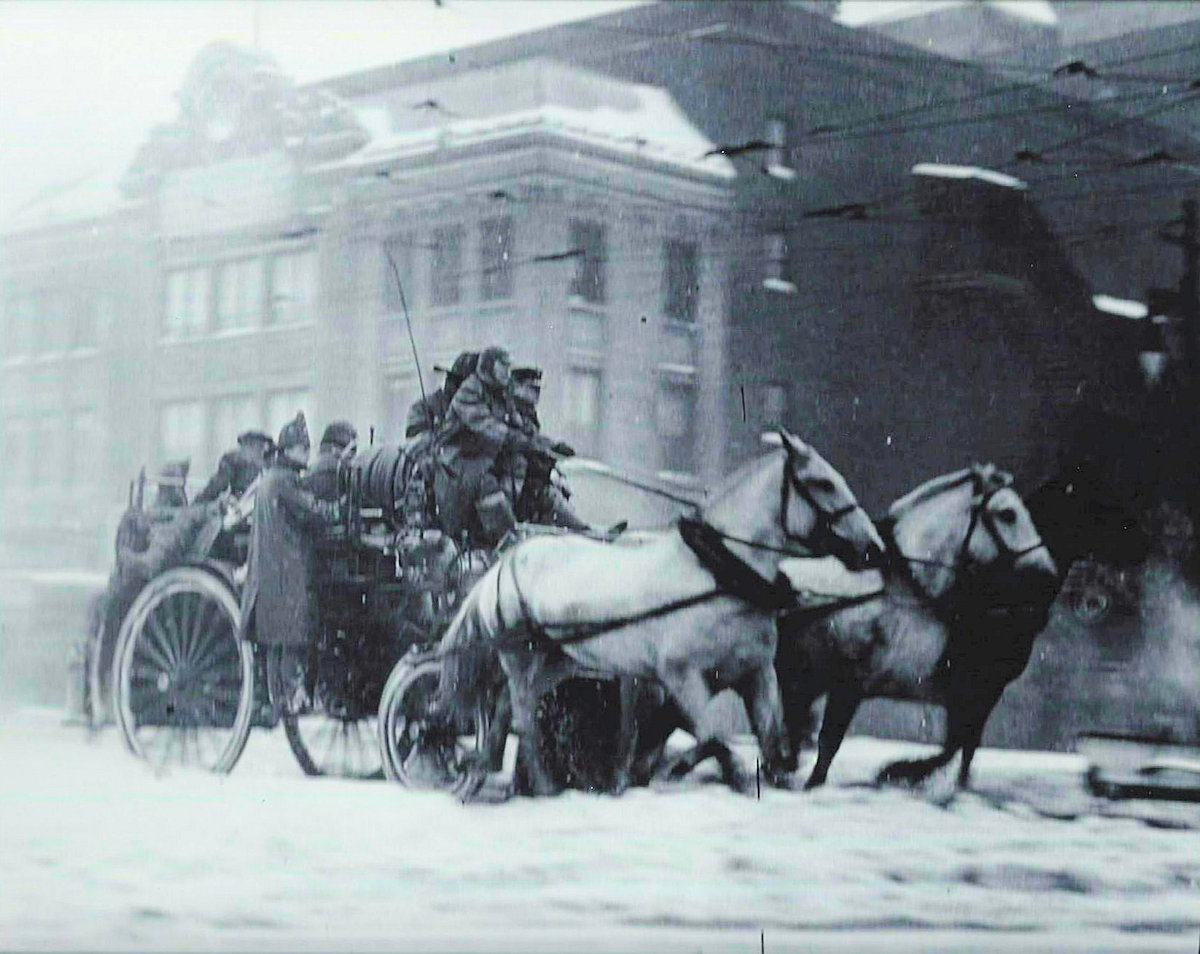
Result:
187,684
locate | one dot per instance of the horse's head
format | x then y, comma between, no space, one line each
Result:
965,522
819,512
1080,516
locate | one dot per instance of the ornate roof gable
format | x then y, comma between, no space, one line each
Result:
235,103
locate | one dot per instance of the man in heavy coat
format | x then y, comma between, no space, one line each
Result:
427,414
338,445
237,468
479,428
278,600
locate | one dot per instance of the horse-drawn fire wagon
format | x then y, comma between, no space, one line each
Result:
188,686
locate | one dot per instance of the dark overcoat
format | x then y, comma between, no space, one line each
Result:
235,472
475,432
322,477
279,601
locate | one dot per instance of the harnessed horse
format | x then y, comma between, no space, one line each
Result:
968,584
692,607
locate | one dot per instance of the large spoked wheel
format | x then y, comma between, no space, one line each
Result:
329,745
419,750
341,744
183,683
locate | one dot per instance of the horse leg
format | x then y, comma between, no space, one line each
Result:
654,730
627,740
497,737
759,691
523,680
840,707
971,720
688,687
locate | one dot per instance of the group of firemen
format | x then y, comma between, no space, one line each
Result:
475,444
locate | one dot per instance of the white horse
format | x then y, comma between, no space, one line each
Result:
656,610
967,583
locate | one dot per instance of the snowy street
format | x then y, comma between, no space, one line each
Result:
99,854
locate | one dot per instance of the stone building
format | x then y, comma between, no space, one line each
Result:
700,220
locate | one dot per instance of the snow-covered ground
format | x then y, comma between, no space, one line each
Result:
96,853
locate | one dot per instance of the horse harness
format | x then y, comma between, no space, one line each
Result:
733,575
949,606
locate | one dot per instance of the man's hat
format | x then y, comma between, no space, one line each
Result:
527,376
294,433
252,435
340,434
173,473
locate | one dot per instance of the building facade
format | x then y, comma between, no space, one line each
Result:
248,275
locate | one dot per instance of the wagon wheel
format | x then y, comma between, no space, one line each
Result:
418,751
183,682
330,745
339,744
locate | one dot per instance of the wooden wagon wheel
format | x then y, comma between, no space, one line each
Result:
343,745
183,682
420,751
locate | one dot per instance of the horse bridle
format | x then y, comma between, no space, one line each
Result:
823,538
981,515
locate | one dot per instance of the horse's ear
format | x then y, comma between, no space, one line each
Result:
797,447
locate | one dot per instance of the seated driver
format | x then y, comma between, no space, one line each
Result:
279,600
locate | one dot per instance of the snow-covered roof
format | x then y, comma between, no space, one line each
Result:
862,12
938,170
90,195
529,95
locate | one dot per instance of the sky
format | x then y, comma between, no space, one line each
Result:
81,83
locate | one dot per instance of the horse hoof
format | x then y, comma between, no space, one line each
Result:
779,777
899,774
813,782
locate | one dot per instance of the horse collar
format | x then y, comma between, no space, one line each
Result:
733,574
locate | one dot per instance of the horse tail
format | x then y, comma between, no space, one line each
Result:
470,660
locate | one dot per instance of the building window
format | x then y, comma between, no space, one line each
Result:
86,318
182,431
683,280
231,416
104,310
675,418
778,162
35,449
240,294
581,399
282,407
400,250
777,276
774,405
16,452
445,277
293,288
53,328
40,318
588,280
187,303
81,448
18,323
495,259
